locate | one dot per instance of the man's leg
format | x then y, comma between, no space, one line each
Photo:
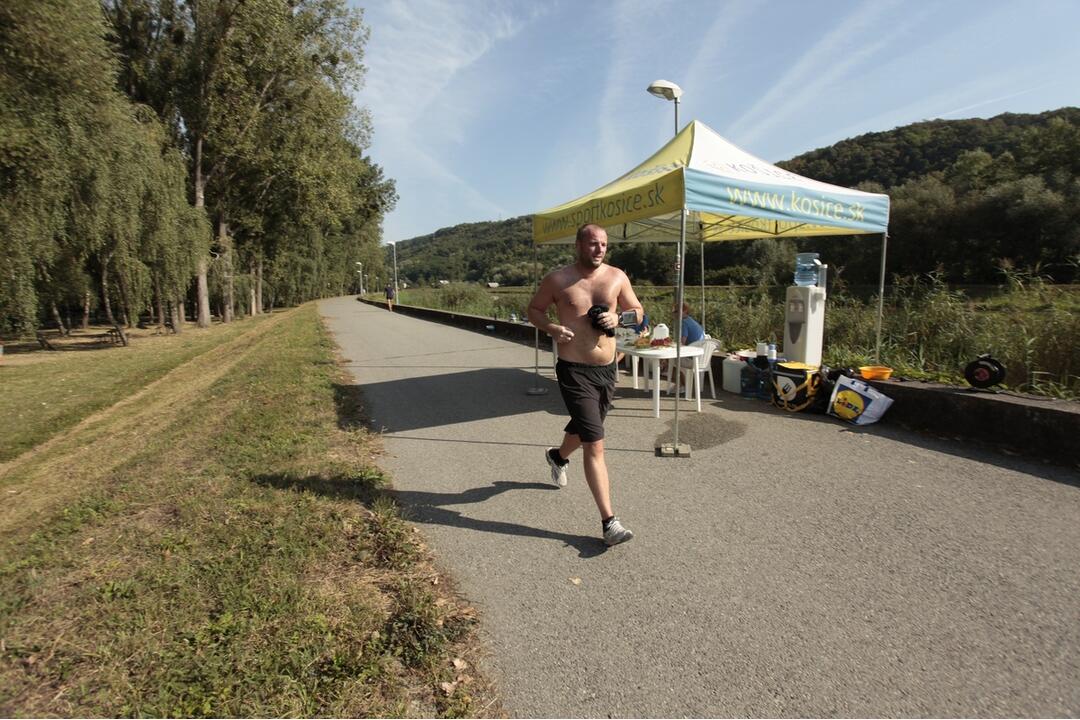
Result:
597,477
570,443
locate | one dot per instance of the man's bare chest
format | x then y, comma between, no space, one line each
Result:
581,295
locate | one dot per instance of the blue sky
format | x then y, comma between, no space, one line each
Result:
485,110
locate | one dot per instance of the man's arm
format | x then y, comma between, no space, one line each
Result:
537,312
628,299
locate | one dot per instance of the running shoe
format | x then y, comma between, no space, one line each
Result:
558,472
615,533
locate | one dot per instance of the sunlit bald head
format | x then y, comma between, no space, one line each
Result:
591,245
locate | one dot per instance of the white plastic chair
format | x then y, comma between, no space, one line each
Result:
709,345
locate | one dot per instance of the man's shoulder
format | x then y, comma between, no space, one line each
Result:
560,275
615,272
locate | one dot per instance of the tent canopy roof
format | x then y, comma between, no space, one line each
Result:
728,194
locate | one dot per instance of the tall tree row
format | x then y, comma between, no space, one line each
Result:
157,151
92,204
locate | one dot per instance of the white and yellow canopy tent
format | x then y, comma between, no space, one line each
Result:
701,187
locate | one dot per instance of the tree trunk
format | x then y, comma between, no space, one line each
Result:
59,321
125,301
86,311
108,305
159,301
227,268
253,287
200,202
259,284
178,316
203,319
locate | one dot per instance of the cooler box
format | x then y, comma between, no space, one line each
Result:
794,385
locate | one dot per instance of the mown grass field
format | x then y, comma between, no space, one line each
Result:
217,542
65,386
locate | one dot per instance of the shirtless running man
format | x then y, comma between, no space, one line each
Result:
586,369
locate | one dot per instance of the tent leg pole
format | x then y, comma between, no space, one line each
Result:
703,285
676,449
881,298
536,389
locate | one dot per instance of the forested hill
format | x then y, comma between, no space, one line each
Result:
893,157
971,199
497,251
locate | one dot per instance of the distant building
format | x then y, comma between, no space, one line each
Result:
493,285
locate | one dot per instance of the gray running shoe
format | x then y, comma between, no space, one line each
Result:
558,472
616,533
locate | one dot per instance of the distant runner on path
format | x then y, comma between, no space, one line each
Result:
585,296
390,295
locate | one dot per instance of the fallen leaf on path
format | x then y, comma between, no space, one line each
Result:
448,687
576,581
460,664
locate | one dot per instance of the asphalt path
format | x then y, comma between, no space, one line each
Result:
792,566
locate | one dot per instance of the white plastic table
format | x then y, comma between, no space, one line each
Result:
652,357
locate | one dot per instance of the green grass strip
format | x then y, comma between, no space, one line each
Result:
244,562
49,396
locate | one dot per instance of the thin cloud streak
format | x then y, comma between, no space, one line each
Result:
710,51
1003,98
415,57
825,63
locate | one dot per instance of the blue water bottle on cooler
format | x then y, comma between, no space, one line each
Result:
806,269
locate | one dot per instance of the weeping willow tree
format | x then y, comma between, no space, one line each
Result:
54,75
128,126
259,95
92,201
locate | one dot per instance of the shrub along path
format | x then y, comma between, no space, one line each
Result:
793,566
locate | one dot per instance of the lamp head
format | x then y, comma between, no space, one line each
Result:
665,89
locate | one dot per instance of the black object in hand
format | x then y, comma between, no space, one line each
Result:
594,316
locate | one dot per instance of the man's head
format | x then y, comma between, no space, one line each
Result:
685,309
591,245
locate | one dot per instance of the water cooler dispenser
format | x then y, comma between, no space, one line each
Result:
804,311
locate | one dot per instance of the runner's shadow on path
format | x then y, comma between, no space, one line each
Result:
436,400
430,507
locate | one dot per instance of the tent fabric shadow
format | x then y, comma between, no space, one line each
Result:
436,400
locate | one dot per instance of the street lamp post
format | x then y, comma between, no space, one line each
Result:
360,270
667,90
395,267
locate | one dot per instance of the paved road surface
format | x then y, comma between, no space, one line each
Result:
793,565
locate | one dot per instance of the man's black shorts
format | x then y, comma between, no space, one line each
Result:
587,392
